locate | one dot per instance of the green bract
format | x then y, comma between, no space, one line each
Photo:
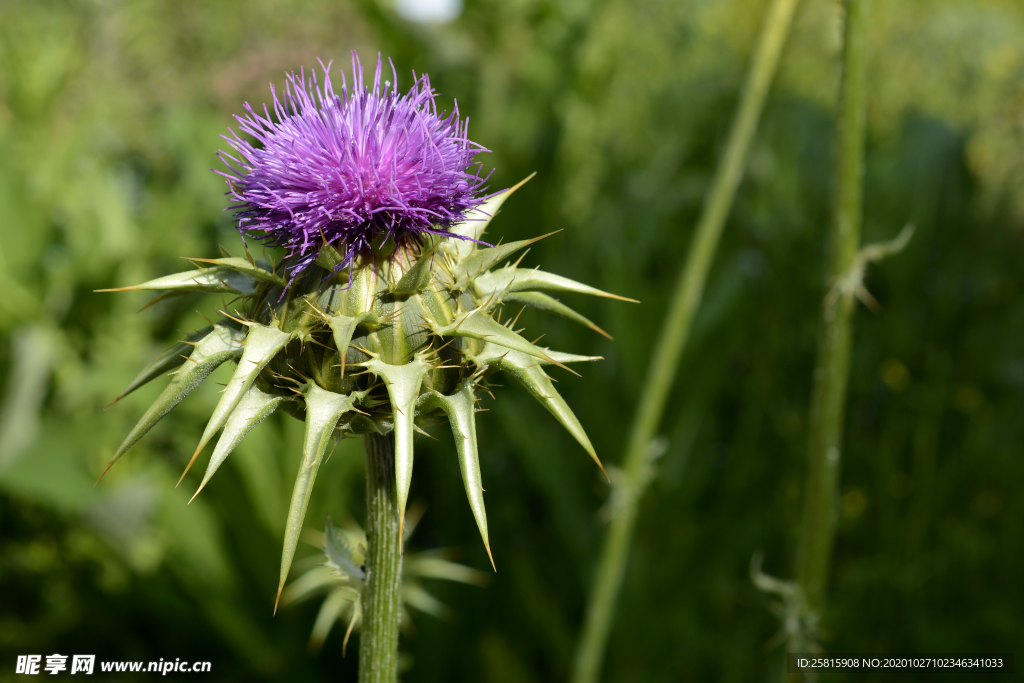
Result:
404,336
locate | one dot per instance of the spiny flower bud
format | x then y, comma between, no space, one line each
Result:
355,334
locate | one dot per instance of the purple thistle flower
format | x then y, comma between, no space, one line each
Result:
350,169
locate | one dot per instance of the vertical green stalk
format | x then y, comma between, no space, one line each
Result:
661,373
378,638
832,369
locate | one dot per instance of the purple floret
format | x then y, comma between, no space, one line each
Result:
345,169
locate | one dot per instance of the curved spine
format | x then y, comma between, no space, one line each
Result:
460,408
215,280
261,345
323,408
403,384
532,376
253,409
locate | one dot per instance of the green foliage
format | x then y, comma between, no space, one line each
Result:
341,578
109,120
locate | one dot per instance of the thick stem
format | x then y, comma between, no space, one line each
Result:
661,373
378,638
832,369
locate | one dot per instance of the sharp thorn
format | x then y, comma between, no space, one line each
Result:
489,555
278,599
196,493
103,473
155,300
188,466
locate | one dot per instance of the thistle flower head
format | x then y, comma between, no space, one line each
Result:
396,344
350,169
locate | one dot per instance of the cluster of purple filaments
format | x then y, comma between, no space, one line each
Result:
352,168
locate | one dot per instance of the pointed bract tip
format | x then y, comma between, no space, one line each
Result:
278,599
521,183
156,300
609,295
201,487
351,625
551,360
109,464
544,236
491,557
189,466
113,402
116,289
564,367
598,461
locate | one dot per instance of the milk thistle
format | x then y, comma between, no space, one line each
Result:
383,316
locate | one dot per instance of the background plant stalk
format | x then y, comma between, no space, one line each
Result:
683,307
378,639
832,367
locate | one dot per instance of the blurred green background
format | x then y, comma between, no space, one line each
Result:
110,112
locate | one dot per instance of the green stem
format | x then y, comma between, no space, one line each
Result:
832,369
661,373
378,637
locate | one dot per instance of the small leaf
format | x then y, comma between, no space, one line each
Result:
328,257
309,584
357,612
461,410
403,383
429,566
526,279
253,409
165,362
261,344
215,348
218,279
416,278
256,271
415,596
323,408
339,553
532,376
544,302
331,611
343,327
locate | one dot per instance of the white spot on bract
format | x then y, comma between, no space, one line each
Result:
832,455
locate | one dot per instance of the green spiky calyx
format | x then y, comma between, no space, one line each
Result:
392,343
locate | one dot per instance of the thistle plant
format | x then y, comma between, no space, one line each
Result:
637,470
383,316
803,600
